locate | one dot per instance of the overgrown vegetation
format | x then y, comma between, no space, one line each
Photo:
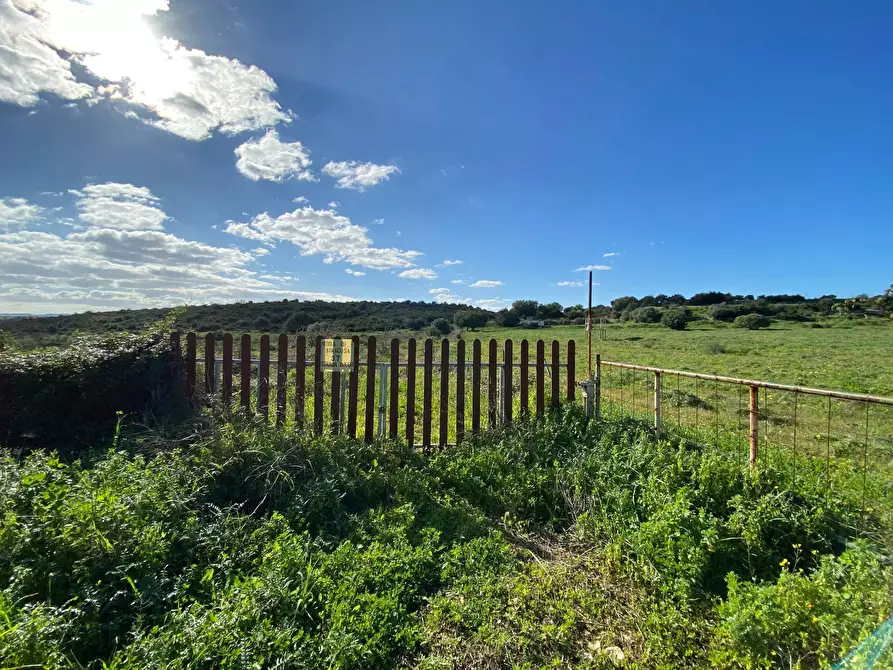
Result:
67,398
234,544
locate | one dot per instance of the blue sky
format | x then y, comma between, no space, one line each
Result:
160,152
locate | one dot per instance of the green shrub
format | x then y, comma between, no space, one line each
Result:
675,319
67,398
508,318
440,327
470,319
752,321
646,315
803,619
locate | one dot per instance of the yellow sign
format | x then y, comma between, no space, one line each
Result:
337,352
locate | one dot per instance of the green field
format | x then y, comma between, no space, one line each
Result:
196,536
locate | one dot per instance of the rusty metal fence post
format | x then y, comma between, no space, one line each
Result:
657,403
754,423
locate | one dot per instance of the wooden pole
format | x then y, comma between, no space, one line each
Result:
754,424
589,331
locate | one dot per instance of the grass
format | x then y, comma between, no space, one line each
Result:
232,544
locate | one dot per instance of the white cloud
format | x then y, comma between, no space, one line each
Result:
486,283
587,268
448,263
575,284
301,200
18,212
354,273
418,273
121,206
359,176
159,81
458,281
271,159
326,233
378,222
610,254
334,204
114,267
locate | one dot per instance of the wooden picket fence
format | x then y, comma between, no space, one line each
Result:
387,381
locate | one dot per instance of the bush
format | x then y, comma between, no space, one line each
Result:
65,398
414,323
262,322
724,312
440,327
803,616
470,319
297,321
507,318
646,315
675,319
752,321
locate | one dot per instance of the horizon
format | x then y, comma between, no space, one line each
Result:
170,152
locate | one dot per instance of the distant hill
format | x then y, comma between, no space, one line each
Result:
274,317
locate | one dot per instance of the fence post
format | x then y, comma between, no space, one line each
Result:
598,387
300,379
227,370
190,364
460,391
754,423
245,373
382,397
410,391
369,416
318,386
394,400
444,392
508,360
263,377
281,377
657,403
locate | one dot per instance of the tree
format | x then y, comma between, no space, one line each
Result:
550,310
297,321
709,298
626,302
440,327
470,319
507,318
752,321
675,319
525,307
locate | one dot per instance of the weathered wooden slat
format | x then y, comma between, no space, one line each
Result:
300,380
460,391
369,433
335,406
263,382
556,375
410,391
571,370
507,391
540,378
318,386
394,390
492,386
210,357
245,373
190,364
427,374
476,387
524,381
281,377
227,369
353,387
444,392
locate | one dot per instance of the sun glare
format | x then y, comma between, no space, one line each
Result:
120,46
